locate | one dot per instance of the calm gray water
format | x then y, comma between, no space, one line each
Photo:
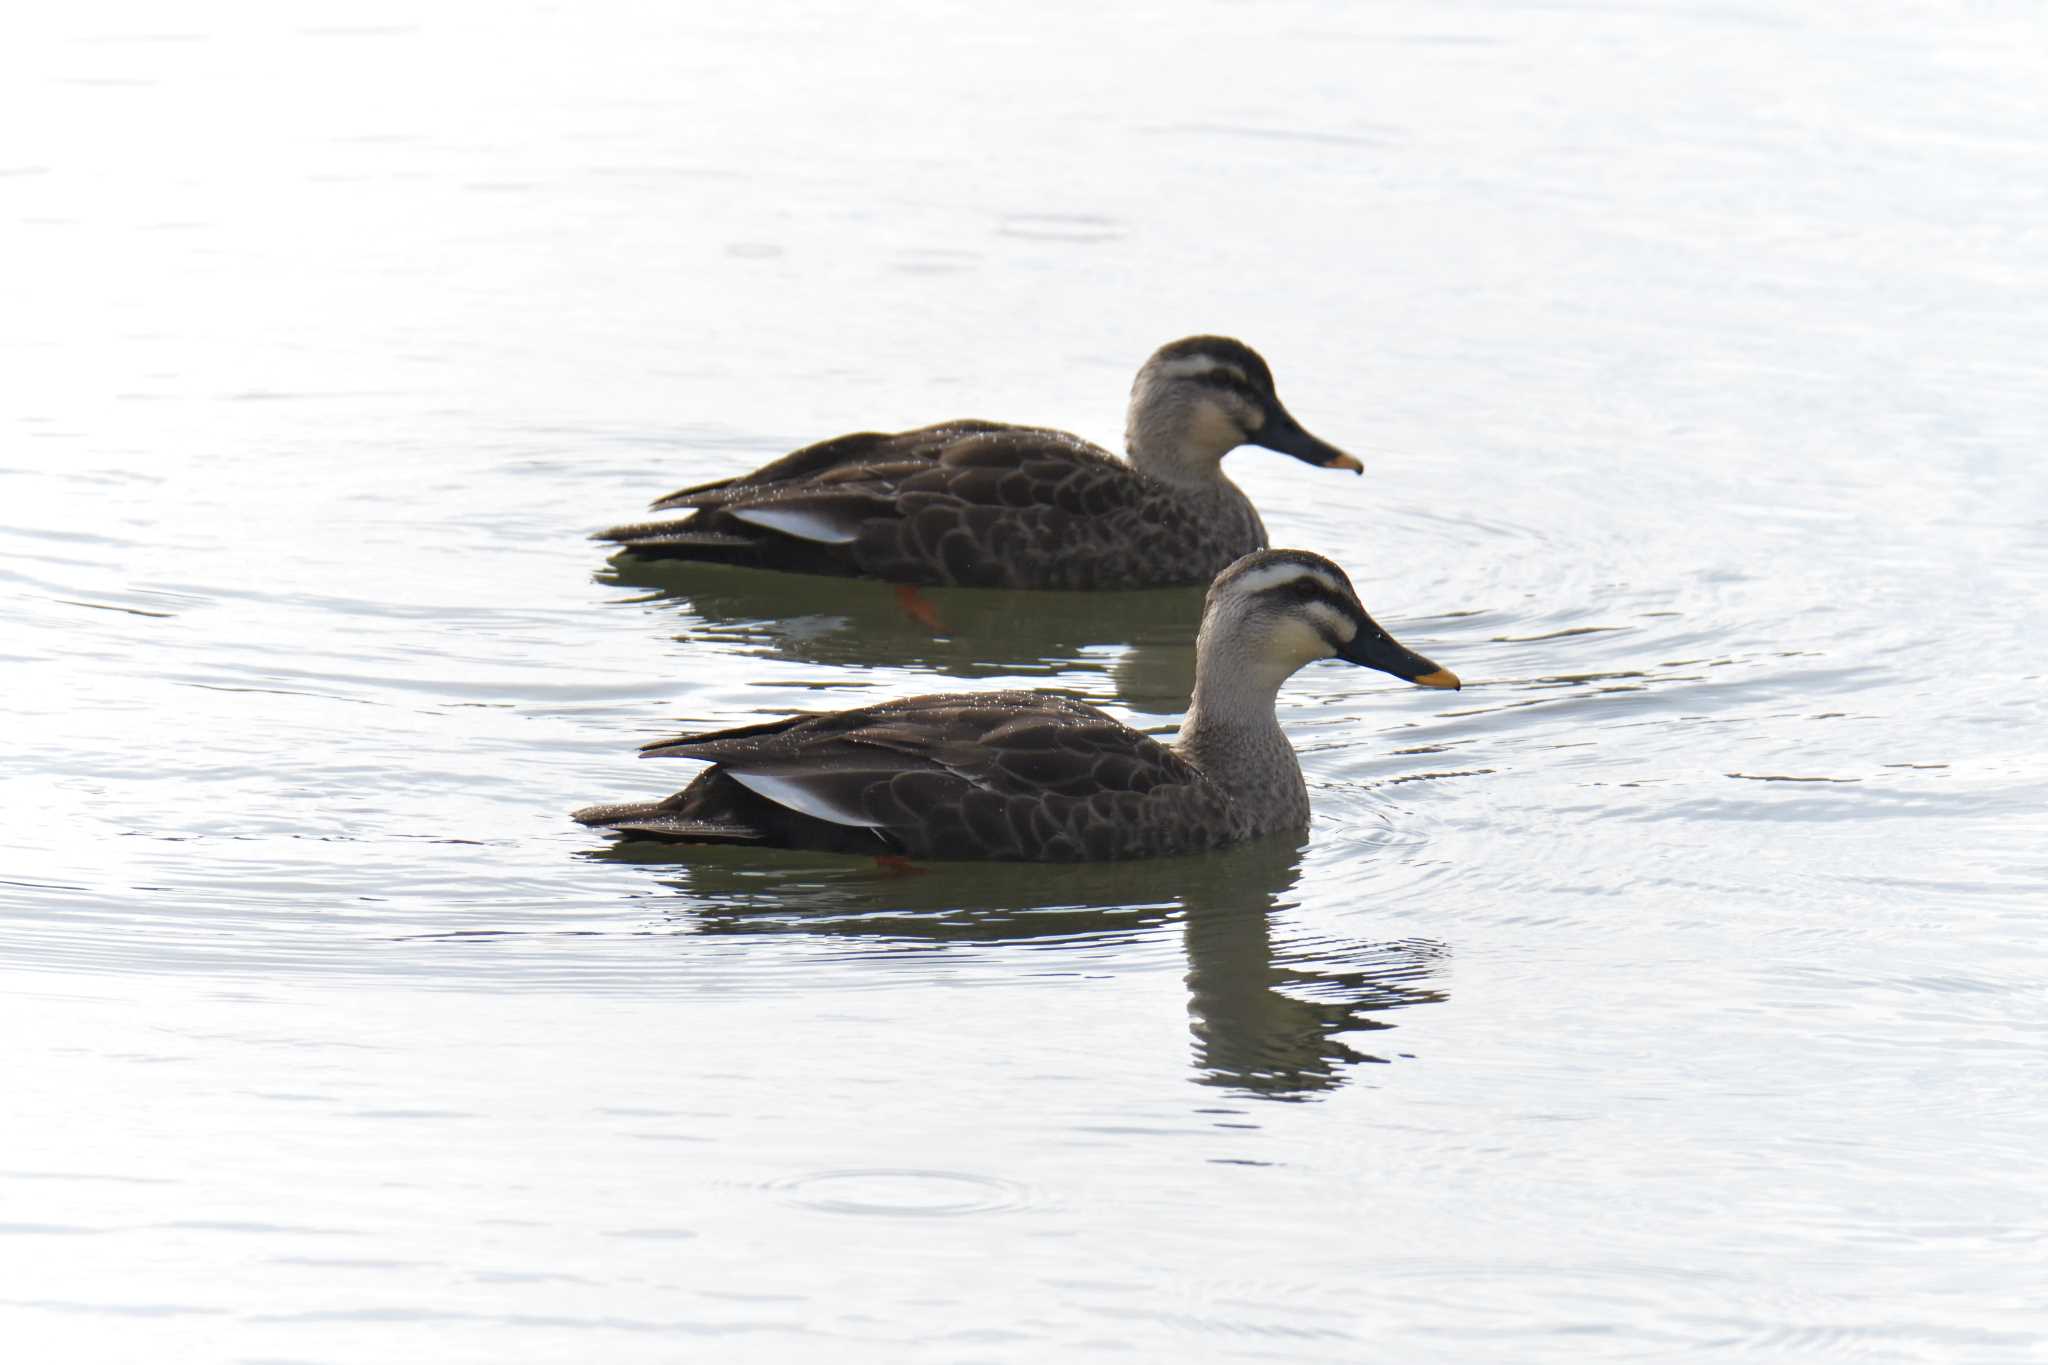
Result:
1677,990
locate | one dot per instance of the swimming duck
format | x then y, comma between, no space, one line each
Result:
986,504
1034,777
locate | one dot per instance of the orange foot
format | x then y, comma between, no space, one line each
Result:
920,608
896,865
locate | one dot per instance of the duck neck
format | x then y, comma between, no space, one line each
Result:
1183,468
1232,734
1179,443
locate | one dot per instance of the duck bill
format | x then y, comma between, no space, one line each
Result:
1289,437
1374,648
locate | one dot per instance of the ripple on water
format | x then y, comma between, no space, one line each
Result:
1720,492
885,1192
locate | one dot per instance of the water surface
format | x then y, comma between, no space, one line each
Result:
1674,990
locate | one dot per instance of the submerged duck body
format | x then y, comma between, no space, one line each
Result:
985,504
1034,777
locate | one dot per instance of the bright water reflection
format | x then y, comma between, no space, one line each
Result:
1143,640
1675,990
1265,1022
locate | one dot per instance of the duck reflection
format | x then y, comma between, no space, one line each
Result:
1267,1021
1269,1026
960,632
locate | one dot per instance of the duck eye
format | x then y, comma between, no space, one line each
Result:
1230,383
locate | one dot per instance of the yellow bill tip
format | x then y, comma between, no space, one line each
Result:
1349,462
1443,677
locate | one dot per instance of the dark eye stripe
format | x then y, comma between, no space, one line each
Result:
1307,589
1218,379
1313,572
1226,349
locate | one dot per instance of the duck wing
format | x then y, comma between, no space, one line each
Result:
824,458
1005,775
964,503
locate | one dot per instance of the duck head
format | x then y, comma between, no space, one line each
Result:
1199,398
1273,612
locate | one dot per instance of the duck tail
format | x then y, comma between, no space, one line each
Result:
651,536
660,820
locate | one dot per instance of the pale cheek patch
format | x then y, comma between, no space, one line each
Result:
1213,428
1295,642
1336,626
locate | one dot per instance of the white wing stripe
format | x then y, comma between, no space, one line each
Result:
796,521
795,796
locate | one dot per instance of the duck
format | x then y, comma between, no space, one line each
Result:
1020,776
986,504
